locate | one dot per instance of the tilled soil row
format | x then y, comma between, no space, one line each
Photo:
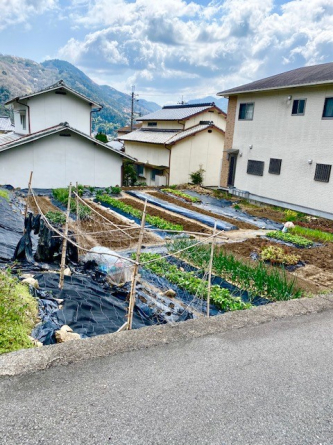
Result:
168,198
187,224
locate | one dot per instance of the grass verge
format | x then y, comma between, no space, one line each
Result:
18,314
257,280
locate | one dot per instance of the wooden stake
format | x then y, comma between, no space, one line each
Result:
135,270
27,200
64,241
210,270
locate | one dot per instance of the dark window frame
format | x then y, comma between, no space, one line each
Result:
323,116
272,168
255,168
152,124
239,111
297,113
154,172
322,176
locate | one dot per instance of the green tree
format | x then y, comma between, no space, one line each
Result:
102,137
130,174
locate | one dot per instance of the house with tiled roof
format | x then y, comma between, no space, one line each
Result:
279,140
52,138
6,125
176,141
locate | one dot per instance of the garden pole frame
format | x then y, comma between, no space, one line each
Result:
210,269
64,241
27,200
135,270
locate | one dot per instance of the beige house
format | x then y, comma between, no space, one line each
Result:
279,140
175,141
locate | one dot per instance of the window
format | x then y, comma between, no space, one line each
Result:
246,111
298,107
139,170
23,121
274,166
323,172
155,172
152,124
328,108
255,168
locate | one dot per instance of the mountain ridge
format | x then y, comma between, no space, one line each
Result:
19,76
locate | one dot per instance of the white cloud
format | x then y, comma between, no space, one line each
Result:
181,47
19,11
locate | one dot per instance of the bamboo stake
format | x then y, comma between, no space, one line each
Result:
64,242
27,200
210,269
135,270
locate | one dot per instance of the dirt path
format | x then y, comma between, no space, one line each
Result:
168,198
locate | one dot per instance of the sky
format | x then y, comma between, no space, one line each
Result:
171,49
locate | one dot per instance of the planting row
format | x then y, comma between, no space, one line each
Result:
220,297
183,195
258,280
130,210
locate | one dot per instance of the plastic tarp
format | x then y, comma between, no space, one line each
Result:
117,269
11,228
223,207
204,219
89,308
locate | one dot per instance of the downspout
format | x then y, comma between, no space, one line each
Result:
169,164
26,105
93,111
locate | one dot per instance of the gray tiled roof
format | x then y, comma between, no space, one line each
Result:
149,137
176,112
14,139
308,75
164,137
6,124
56,86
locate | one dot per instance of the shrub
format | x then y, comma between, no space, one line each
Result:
130,173
198,176
101,137
115,190
276,255
298,241
290,215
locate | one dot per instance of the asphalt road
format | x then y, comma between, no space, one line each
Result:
266,385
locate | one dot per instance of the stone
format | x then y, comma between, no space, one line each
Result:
65,334
31,282
35,342
169,293
26,275
67,272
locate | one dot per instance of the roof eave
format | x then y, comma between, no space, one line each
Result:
229,93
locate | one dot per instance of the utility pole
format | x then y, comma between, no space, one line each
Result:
133,99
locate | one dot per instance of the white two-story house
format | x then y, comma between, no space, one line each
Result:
279,140
52,138
176,141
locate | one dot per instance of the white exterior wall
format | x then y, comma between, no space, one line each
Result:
165,125
187,155
153,154
49,109
56,161
275,133
218,119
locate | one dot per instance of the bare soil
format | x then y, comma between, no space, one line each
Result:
317,273
187,224
177,201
